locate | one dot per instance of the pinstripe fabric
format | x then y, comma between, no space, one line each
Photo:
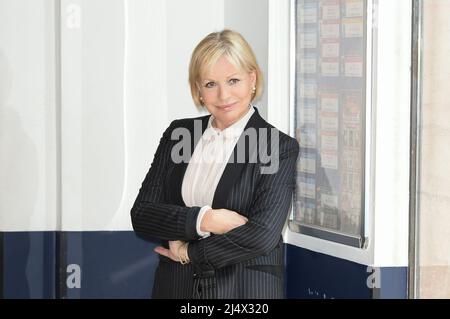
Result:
246,262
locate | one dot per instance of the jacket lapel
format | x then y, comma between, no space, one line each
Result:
178,171
233,170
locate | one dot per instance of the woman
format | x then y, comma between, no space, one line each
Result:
220,209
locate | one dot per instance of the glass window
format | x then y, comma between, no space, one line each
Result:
329,111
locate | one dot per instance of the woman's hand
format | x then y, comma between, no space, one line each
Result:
177,251
221,221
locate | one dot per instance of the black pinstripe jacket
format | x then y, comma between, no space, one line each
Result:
248,261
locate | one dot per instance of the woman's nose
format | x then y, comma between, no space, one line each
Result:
223,92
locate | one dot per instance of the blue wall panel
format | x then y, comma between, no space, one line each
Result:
394,283
314,275
121,265
113,264
29,265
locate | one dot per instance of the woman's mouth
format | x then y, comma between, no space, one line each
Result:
227,107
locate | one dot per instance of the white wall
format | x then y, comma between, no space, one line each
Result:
187,22
28,158
392,134
132,95
123,79
94,134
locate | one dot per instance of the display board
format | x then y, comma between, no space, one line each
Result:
329,108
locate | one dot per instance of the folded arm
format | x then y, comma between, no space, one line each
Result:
262,232
150,216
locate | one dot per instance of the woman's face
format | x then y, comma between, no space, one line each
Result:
226,92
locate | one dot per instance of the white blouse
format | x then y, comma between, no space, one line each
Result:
207,164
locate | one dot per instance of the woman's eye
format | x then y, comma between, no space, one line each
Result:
209,85
234,81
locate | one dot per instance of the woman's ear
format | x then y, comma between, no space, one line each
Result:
253,78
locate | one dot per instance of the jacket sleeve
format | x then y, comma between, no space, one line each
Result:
151,217
261,233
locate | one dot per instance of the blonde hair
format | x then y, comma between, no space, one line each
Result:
226,43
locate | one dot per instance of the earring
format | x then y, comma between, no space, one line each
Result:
254,89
